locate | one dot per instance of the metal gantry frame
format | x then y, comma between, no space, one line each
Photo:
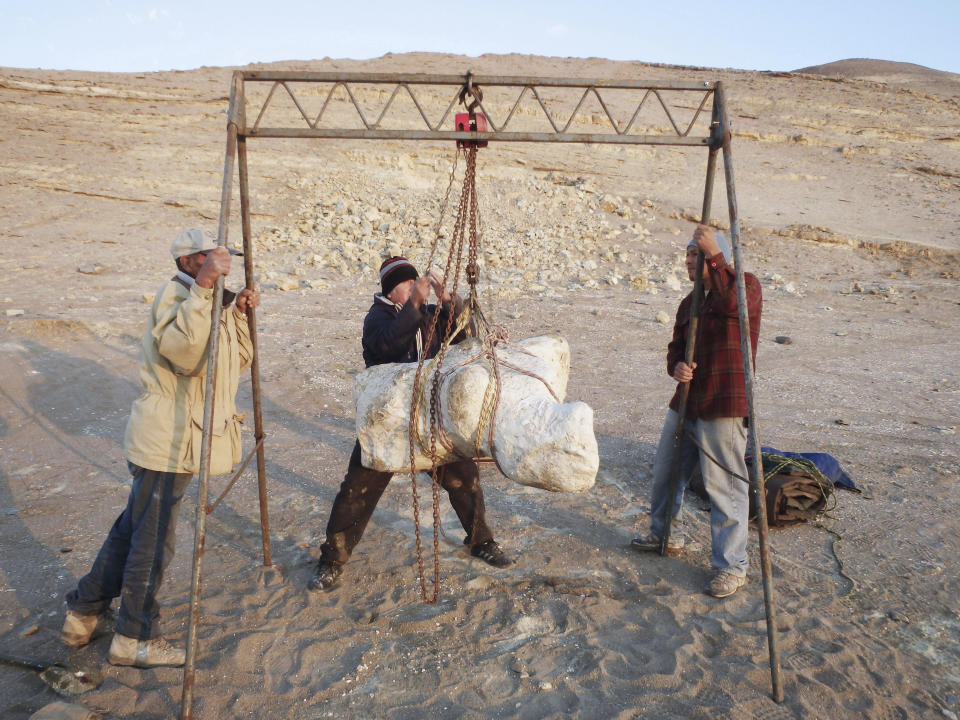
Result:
338,91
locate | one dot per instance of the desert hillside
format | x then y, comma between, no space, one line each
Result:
916,77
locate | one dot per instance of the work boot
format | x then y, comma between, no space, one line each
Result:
492,554
651,543
325,577
725,584
78,629
144,653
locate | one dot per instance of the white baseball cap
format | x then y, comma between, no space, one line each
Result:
194,241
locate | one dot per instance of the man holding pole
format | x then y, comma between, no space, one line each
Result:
707,419
162,447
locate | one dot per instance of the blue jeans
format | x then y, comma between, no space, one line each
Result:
726,440
137,550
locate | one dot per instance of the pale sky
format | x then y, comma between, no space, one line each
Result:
115,36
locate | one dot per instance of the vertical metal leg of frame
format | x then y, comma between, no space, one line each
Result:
756,470
255,366
688,354
186,699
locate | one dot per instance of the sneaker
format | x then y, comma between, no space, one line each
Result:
651,543
491,553
723,584
144,653
79,629
325,577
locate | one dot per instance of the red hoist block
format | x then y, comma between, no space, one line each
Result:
463,124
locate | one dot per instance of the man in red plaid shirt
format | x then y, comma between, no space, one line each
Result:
716,415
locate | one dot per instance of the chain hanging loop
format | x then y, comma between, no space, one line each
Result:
465,231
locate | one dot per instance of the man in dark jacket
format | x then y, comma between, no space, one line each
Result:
395,330
716,415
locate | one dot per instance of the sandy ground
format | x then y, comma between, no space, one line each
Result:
847,183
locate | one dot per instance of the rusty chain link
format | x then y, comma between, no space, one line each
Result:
455,261
467,227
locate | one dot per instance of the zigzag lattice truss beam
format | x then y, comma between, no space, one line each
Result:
517,109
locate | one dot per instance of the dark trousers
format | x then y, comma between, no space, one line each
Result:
135,554
360,492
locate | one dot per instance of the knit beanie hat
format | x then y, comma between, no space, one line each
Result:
722,243
394,271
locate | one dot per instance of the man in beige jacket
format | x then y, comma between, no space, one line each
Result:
162,448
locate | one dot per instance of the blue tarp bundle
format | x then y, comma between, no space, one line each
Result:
827,464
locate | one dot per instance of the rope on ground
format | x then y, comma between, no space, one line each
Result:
838,538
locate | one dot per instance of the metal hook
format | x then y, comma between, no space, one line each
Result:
474,92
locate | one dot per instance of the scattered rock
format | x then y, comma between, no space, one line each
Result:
480,582
518,667
94,269
663,318
333,232
672,282
288,283
14,312
775,281
898,616
63,711
783,340
639,281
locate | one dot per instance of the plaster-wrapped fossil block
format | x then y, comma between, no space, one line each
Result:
538,441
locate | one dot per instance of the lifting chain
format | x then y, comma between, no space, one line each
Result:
464,230
467,229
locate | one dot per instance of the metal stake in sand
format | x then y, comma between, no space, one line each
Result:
236,145
186,699
756,468
259,434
